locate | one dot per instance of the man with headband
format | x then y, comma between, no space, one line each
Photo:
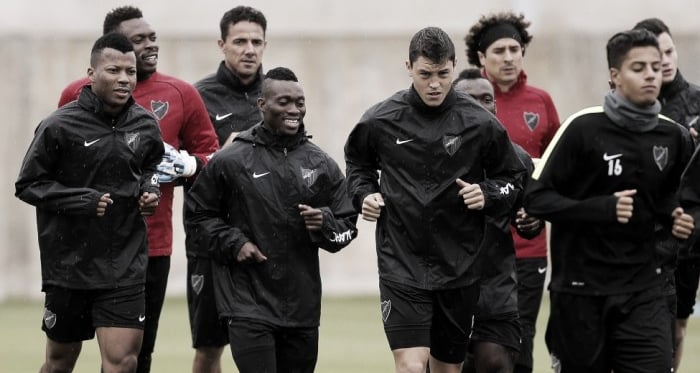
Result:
496,43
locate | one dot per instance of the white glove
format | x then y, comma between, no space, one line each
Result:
175,164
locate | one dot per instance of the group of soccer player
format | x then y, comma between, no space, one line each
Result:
459,175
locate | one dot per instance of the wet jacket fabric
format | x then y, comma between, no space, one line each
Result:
78,154
232,106
425,235
250,192
183,123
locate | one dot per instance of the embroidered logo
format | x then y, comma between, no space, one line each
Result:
49,318
400,142
451,144
386,309
531,119
661,156
614,164
197,282
159,108
309,176
506,189
142,318
342,237
132,140
257,175
89,143
222,117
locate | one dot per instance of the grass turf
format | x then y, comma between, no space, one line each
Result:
352,339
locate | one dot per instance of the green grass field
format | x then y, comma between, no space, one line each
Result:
352,339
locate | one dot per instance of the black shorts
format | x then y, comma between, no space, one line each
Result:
438,319
621,333
71,315
500,329
687,277
531,276
206,327
260,347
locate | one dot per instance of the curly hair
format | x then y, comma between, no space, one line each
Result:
118,15
476,33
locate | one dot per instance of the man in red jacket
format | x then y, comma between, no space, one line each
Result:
496,43
190,139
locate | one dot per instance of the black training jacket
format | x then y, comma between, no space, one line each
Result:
232,106
573,187
680,101
250,191
78,154
425,235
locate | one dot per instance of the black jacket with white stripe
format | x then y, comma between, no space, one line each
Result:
573,187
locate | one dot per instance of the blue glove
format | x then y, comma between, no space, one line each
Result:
175,164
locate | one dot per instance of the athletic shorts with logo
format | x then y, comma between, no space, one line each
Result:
206,327
72,315
439,319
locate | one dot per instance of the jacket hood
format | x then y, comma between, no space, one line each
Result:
260,135
89,101
229,79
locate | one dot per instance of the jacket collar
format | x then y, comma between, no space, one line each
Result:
674,87
417,102
519,84
229,79
89,101
259,134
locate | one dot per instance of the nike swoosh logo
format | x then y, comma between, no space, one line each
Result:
542,270
607,157
257,175
399,142
88,143
141,318
220,117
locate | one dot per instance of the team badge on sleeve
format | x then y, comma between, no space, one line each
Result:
661,156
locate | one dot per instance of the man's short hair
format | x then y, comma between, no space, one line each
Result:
113,40
242,13
655,25
432,43
469,74
478,40
118,15
278,73
621,43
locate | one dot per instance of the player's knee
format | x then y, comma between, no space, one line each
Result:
56,367
411,367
